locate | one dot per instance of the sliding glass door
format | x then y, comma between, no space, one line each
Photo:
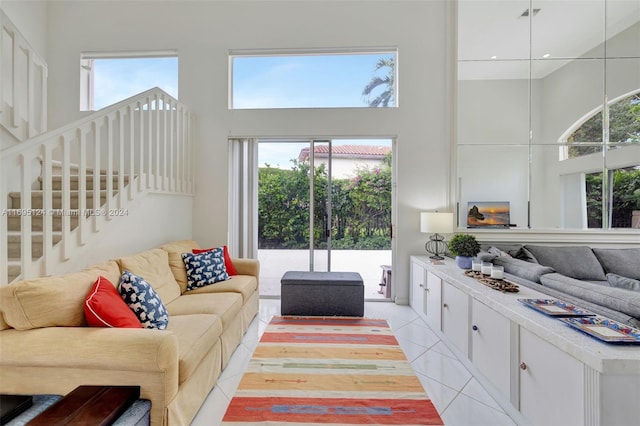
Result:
325,205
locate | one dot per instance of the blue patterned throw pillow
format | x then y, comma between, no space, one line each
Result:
205,268
143,301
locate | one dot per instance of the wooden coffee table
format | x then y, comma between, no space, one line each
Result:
89,405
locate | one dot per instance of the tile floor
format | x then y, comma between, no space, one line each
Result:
457,395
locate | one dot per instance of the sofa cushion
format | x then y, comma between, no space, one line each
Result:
573,261
205,268
625,262
527,270
52,301
227,306
175,250
618,299
246,285
228,263
153,266
104,307
619,281
197,335
140,296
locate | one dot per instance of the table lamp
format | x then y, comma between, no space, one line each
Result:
436,223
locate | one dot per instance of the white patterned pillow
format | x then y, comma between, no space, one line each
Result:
143,301
205,268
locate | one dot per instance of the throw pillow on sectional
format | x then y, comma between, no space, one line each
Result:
205,268
228,263
143,301
103,307
577,262
619,281
620,261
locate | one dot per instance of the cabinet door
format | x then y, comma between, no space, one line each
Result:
433,305
491,345
551,383
455,317
418,287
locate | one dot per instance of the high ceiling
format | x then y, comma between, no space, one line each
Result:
498,36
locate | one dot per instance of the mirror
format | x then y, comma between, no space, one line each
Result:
548,111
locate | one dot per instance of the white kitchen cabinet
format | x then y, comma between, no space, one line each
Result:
491,348
418,287
534,365
551,383
455,317
433,303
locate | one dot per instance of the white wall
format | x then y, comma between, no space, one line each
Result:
204,31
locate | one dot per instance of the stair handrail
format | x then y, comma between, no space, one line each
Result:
35,98
86,119
140,144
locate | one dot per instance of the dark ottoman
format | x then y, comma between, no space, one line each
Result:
322,294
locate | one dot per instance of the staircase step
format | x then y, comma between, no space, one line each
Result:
14,245
14,223
37,199
56,182
14,270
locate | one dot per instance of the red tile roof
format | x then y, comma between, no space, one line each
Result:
349,151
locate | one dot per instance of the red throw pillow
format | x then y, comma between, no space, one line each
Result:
228,264
104,307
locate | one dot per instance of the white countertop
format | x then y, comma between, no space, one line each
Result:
601,356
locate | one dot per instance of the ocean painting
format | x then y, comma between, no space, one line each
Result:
493,214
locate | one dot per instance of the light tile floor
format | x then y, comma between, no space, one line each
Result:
455,392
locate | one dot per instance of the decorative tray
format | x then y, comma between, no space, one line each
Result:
495,283
604,329
555,308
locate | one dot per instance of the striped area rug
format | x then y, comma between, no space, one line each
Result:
329,371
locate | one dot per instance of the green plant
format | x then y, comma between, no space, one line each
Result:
464,245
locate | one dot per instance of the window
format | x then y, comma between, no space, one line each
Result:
624,128
313,80
106,79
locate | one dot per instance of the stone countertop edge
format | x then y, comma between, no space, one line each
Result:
603,357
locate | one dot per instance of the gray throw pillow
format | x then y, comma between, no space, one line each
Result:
619,281
527,270
486,256
577,262
625,262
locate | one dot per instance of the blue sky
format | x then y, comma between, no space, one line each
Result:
285,81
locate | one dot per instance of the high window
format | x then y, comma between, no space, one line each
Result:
313,80
109,78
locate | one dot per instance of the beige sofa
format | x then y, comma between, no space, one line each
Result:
47,348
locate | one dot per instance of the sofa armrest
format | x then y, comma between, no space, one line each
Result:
247,266
88,347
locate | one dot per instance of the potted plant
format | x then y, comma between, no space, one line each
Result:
464,247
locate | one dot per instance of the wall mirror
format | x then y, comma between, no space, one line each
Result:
548,111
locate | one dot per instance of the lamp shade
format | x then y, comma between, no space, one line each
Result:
436,222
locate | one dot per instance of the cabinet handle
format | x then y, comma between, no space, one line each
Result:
475,328
427,289
421,285
523,366
445,305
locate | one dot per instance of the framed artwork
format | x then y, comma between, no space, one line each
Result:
488,214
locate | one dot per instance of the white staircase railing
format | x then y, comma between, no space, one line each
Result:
140,144
23,92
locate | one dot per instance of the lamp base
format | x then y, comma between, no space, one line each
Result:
436,246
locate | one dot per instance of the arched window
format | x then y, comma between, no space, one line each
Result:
618,185
586,136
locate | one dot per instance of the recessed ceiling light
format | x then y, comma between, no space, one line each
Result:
494,57
546,55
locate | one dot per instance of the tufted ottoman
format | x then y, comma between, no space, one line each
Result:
322,294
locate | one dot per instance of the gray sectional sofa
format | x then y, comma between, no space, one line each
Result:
605,281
